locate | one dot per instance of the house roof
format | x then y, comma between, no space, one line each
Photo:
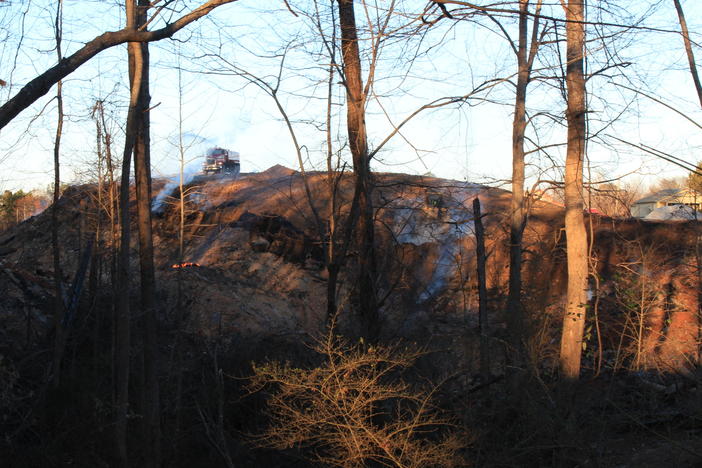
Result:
663,195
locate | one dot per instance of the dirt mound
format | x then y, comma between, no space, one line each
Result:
278,171
261,270
263,223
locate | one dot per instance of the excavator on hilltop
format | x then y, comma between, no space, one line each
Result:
221,161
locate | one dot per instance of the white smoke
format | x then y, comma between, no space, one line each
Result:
189,172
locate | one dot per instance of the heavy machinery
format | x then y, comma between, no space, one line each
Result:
221,161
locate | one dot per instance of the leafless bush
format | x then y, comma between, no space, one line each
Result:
637,297
355,409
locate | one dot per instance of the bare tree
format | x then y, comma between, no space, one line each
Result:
142,171
123,318
526,53
362,204
41,85
58,289
576,299
357,229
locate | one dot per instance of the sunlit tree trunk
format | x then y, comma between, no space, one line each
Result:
576,301
358,144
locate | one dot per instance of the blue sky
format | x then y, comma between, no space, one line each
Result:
471,142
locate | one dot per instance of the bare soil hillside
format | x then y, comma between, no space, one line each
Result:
251,284
257,262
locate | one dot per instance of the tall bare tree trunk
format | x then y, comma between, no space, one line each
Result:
333,179
142,170
576,306
59,308
688,49
113,213
176,353
518,210
123,319
358,143
95,279
122,335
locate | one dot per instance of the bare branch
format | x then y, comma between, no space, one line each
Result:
41,85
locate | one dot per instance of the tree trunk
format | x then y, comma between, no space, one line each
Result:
142,170
176,353
122,338
482,290
335,253
333,179
576,301
113,214
517,211
358,144
59,308
688,49
122,333
94,282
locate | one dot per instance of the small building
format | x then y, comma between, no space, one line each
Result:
668,197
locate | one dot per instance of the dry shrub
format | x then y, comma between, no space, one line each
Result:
638,295
356,410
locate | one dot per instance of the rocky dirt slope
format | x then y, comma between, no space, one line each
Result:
257,265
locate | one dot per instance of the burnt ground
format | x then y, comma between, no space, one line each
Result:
253,288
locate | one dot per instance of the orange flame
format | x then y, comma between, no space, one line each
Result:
185,265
